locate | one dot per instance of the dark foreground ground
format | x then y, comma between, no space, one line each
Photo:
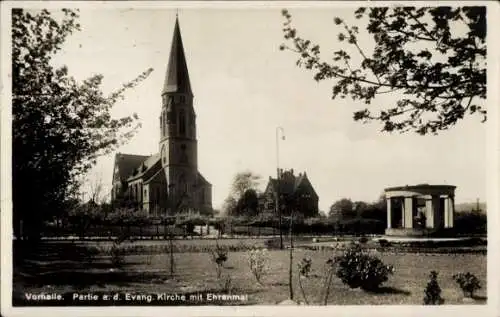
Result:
66,270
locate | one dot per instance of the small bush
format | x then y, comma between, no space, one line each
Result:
219,257
384,243
273,243
305,267
468,282
258,260
433,291
117,253
356,268
226,284
363,240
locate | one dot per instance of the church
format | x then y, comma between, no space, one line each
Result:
167,182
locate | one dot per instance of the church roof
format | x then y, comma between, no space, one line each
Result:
202,180
126,163
145,167
177,77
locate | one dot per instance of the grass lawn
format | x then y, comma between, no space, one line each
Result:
195,272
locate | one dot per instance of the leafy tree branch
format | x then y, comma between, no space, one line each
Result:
437,72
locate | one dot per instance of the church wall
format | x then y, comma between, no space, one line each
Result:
147,198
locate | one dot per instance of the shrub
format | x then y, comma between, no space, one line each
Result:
468,282
363,240
327,282
219,257
356,268
258,260
433,291
304,270
384,243
305,267
117,253
273,243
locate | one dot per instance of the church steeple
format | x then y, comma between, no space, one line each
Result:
177,77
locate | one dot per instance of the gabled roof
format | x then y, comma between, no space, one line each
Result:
145,167
177,77
202,180
126,163
153,173
302,180
290,183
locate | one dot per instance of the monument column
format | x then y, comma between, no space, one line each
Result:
408,212
451,211
429,213
447,212
435,211
389,213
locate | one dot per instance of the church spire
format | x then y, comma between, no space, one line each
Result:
177,77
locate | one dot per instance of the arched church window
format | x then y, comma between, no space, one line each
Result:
164,154
163,126
171,117
182,122
183,99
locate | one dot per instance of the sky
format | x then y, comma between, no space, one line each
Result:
244,88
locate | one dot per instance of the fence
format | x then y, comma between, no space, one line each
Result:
163,231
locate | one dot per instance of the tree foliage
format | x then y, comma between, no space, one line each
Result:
60,125
243,196
342,209
244,181
248,204
433,59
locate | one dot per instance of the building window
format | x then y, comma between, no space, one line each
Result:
171,117
182,122
183,99
140,192
162,123
164,154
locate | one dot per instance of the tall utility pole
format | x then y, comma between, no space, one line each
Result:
278,179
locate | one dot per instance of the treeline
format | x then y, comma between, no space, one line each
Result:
345,217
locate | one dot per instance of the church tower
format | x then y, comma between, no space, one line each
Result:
168,181
178,143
